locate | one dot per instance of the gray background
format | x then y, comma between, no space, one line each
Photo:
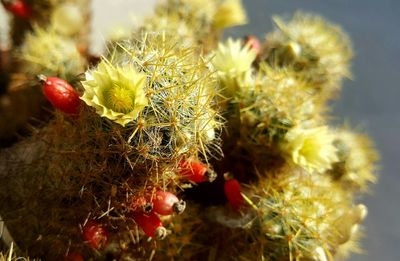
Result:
370,101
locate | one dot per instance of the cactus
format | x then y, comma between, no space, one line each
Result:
178,116
315,49
181,147
46,52
356,167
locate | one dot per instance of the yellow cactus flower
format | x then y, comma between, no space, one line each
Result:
230,13
233,63
233,58
312,149
117,93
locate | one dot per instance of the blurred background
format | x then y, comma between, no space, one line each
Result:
369,102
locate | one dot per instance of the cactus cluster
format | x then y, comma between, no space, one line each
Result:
182,146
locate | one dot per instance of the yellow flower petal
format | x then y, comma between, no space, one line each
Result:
117,93
311,149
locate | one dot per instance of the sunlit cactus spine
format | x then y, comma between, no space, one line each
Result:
11,254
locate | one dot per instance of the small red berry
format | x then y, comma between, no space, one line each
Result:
253,43
150,224
74,257
95,234
61,95
166,203
196,171
233,193
18,8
